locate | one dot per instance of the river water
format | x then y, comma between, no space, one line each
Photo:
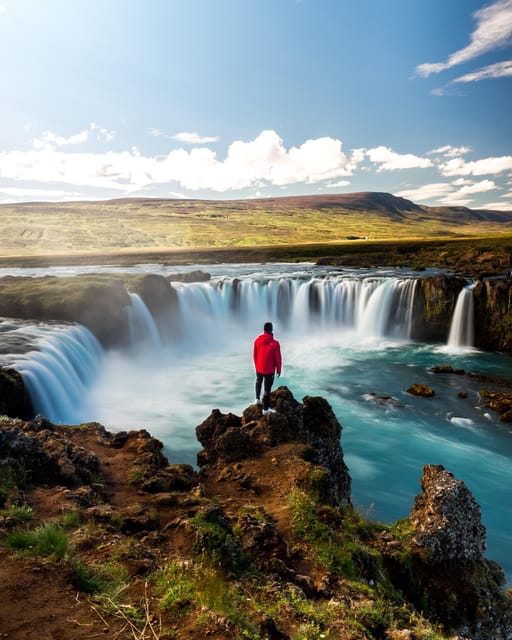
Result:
344,335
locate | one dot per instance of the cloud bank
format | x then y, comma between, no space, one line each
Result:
54,169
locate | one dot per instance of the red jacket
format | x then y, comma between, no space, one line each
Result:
267,354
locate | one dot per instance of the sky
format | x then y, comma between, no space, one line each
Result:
228,99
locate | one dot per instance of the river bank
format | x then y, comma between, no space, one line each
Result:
470,256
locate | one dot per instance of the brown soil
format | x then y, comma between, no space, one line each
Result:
38,597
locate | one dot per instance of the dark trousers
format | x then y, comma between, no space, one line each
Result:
268,380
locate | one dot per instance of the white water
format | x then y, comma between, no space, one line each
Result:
345,337
461,330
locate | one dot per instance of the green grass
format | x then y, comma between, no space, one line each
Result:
17,513
156,225
48,540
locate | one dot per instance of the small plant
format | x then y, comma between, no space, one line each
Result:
17,513
49,540
325,540
87,578
71,520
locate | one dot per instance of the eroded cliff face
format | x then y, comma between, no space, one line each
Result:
493,314
434,306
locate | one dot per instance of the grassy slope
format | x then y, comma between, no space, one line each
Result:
375,227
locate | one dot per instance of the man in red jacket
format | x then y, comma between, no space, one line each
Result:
267,360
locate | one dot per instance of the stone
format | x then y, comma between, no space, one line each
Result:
447,519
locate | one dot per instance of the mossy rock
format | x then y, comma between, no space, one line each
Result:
420,389
499,401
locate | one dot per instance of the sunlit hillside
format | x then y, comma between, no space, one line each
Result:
33,229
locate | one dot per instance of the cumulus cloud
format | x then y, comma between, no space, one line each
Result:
3,8
262,160
193,138
389,160
486,166
493,30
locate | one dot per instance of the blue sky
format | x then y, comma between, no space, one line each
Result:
223,99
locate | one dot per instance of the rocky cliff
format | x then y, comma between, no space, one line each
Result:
259,541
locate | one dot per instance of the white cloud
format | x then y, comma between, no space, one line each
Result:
500,206
493,30
449,151
486,166
3,8
498,70
50,138
340,183
262,160
477,187
154,132
426,191
390,160
193,138
28,192
452,200
445,193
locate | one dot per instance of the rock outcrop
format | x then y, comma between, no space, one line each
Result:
229,438
493,317
434,306
266,524
447,519
448,573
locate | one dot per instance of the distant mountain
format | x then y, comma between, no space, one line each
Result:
385,204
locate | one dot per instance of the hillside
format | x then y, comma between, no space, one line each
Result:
138,224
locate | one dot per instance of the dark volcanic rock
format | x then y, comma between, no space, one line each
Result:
13,401
434,306
227,438
447,518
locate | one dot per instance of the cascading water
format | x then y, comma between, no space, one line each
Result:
373,308
345,337
142,327
461,329
58,374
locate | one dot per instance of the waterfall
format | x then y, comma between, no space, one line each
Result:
141,325
372,307
461,329
58,374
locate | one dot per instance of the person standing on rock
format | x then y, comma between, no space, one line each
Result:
267,361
